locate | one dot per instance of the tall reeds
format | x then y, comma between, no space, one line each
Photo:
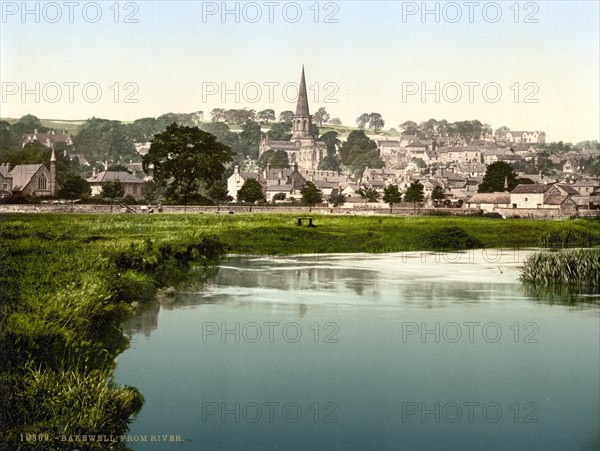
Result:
574,267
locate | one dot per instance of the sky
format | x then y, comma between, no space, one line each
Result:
525,65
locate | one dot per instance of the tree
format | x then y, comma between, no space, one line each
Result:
392,195
278,196
500,132
469,130
359,152
105,140
368,193
278,159
321,116
362,120
266,115
495,177
414,193
74,187
217,114
280,131
249,140
330,162
251,191
314,131
376,122
337,199
187,159
408,128
311,195
112,189
335,121
437,194
218,193
154,191
286,116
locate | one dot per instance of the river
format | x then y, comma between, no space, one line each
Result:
420,350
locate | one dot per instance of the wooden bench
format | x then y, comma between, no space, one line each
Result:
310,221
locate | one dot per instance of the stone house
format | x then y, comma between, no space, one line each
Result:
132,186
536,196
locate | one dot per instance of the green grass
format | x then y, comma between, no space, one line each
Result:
66,287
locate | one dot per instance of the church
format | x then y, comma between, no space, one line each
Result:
302,149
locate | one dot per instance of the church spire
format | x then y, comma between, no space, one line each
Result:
302,105
302,120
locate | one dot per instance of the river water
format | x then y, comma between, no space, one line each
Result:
355,351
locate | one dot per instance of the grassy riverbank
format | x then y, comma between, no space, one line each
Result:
67,282
65,293
268,233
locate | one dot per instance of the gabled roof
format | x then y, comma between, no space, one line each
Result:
568,189
490,198
556,199
122,176
534,188
22,174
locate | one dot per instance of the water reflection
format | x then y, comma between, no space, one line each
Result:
382,335
404,280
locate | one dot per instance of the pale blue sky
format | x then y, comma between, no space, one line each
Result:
366,61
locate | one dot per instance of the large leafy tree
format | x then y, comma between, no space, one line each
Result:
409,128
359,152
362,120
376,122
286,116
266,115
101,139
495,176
437,194
330,162
311,195
392,195
278,159
188,160
415,193
112,189
249,140
74,187
321,116
280,131
251,191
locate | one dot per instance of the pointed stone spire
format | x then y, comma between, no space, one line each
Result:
53,156
302,104
506,184
302,120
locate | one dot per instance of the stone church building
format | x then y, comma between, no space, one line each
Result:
302,149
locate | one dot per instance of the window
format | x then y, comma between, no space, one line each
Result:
42,182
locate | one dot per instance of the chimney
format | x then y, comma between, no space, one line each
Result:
94,175
236,169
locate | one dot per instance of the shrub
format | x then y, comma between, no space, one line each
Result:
450,238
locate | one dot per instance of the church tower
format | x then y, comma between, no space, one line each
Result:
302,120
